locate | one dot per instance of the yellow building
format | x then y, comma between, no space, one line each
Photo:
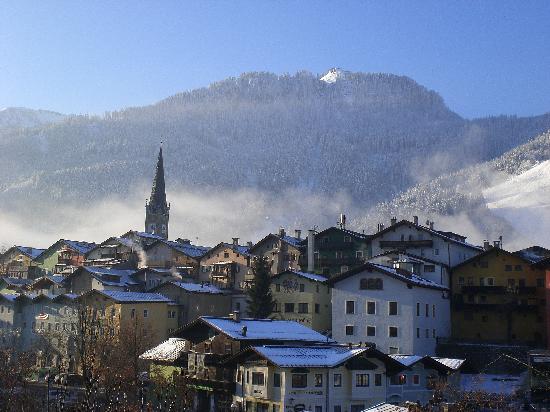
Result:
17,260
152,313
302,297
499,296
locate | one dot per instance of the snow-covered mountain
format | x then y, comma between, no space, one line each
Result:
18,117
368,135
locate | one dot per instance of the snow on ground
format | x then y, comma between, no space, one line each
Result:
524,202
497,384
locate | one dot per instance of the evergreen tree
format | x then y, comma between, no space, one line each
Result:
260,300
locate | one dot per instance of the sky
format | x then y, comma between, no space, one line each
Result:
483,57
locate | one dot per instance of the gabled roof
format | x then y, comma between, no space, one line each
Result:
241,249
357,235
78,246
143,235
19,282
258,329
187,249
128,297
168,351
108,277
307,356
411,255
290,240
399,274
440,364
306,275
533,254
51,279
491,251
27,251
447,236
194,287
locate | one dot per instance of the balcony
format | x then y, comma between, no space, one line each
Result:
334,245
210,385
489,290
406,244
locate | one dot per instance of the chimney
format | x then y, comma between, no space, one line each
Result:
235,241
235,316
432,225
282,232
310,250
496,243
415,220
298,233
350,345
183,241
243,330
393,221
486,245
249,244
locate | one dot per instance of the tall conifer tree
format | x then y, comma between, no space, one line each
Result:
260,300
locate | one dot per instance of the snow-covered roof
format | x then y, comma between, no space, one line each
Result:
9,296
188,249
107,276
265,329
197,287
121,296
294,241
311,276
145,235
80,246
386,407
406,360
308,356
30,251
533,254
17,281
449,362
168,351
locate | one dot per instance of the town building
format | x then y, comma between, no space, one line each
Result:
304,298
228,266
281,250
157,210
14,285
63,257
214,339
178,255
310,378
421,376
16,261
335,250
420,265
192,300
499,297
445,247
115,252
100,278
48,285
398,311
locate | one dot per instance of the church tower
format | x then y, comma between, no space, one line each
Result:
157,211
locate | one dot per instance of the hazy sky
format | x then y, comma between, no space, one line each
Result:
483,57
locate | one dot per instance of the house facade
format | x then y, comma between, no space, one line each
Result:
173,255
281,250
396,310
100,278
302,297
499,297
447,248
16,261
64,256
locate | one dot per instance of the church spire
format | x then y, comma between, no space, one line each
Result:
157,210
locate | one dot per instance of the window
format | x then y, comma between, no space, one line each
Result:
436,251
349,330
302,287
350,307
416,379
303,308
522,283
427,310
418,332
392,331
362,379
393,350
399,379
337,379
339,254
518,268
145,313
258,378
226,255
359,254
508,268
433,311
371,308
417,309
299,380
276,380
392,308
317,308
337,408
133,313
461,280
344,269
540,283
373,283
427,333
377,379
433,334
171,314
289,307
484,264
318,380
277,287
429,268
325,239
371,331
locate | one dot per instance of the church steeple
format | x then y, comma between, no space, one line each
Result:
157,210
